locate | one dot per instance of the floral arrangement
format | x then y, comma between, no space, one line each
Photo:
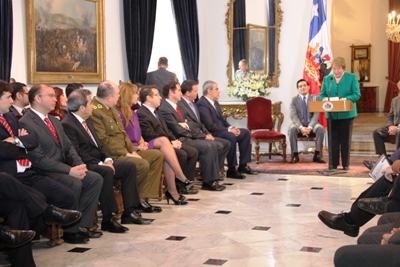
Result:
250,86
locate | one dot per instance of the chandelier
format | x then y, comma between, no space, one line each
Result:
393,27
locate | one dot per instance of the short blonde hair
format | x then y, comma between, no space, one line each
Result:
340,62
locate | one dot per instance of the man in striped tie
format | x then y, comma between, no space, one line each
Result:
57,157
13,155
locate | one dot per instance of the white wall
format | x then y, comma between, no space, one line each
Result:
350,20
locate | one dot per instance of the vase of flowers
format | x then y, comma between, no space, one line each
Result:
250,86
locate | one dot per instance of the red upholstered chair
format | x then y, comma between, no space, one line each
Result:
261,125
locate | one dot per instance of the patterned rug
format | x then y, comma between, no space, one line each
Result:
307,167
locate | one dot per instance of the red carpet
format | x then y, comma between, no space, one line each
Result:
307,167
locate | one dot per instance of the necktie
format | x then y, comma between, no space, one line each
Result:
22,162
84,123
23,111
191,105
179,113
156,114
305,111
51,128
217,108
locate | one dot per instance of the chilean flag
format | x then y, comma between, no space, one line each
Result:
319,53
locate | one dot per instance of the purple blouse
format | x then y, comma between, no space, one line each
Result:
133,131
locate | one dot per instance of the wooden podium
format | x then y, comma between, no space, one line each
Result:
330,106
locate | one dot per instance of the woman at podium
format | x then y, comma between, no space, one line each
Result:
341,85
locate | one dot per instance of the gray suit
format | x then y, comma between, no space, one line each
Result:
393,119
159,77
199,131
298,120
56,158
208,150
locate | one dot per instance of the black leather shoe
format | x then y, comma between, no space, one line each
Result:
184,190
369,164
336,222
147,208
318,159
54,215
112,226
134,217
215,186
85,232
247,170
295,159
374,205
233,173
15,238
74,238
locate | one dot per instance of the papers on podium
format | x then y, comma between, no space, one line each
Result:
380,165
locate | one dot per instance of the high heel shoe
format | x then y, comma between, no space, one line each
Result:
187,182
168,196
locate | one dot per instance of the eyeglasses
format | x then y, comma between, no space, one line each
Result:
50,95
155,95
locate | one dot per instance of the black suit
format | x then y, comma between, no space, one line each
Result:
208,150
92,153
56,158
56,193
21,207
152,128
215,122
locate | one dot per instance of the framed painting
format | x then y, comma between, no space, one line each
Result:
257,48
65,41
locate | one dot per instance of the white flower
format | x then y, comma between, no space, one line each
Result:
249,87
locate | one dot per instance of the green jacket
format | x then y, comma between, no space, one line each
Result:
348,88
110,130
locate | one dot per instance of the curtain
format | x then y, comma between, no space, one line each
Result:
6,39
187,25
139,20
393,58
271,37
239,36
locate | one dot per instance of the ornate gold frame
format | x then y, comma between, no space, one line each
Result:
229,26
35,76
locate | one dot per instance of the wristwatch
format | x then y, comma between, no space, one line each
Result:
16,141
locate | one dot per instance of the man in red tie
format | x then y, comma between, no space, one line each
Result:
16,141
57,157
177,124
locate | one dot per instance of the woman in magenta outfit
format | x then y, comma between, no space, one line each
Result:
171,168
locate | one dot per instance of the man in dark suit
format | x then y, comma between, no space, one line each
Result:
57,157
20,96
176,121
82,134
304,122
161,75
187,106
153,127
212,118
24,208
13,155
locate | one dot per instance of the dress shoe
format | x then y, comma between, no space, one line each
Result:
85,232
185,183
134,217
178,201
15,238
337,222
74,238
346,168
187,191
295,159
112,226
147,208
54,215
215,186
369,164
374,205
233,173
246,169
318,159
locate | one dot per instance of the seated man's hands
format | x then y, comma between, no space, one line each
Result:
176,144
109,163
235,131
209,137
388,172
78,171
392,130
143,146
387,236
305,131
